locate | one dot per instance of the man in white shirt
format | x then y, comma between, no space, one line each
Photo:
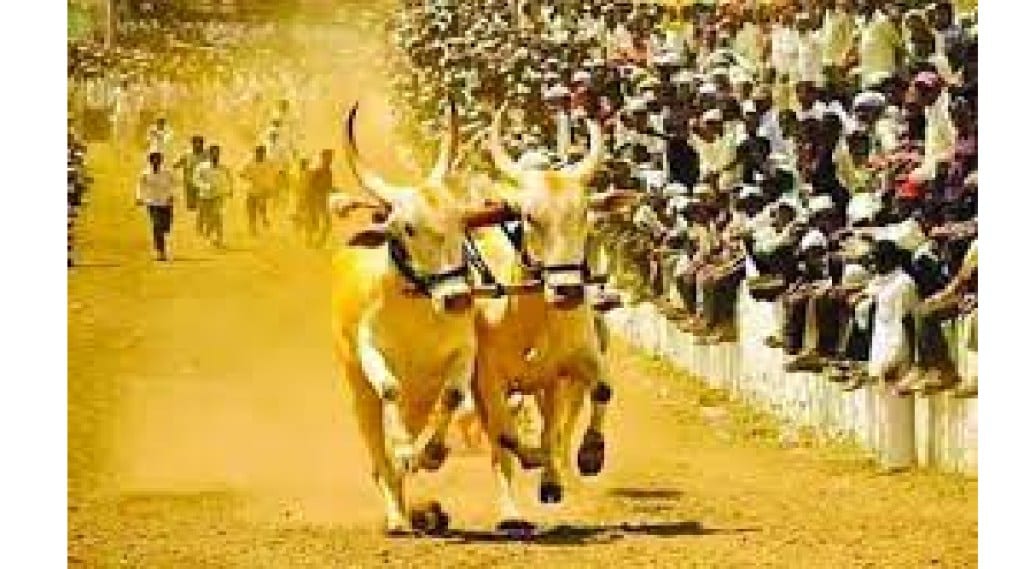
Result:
939,132
837,35
784,46
159,137
750,41
809,64
716,150
895,297
869,111
155,190
214,183
880,45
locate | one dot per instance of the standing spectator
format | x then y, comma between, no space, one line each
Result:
155,190
895,298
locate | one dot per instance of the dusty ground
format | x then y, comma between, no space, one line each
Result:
207,428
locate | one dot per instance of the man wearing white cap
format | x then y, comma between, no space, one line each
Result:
718,279
933,370
869,110
717,152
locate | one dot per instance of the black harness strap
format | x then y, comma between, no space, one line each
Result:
423,282
515,237
472,253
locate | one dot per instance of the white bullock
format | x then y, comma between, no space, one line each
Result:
549,345
404,331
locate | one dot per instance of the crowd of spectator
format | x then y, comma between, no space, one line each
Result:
78,183
819,155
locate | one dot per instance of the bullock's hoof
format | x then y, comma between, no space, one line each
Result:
550,493
429,519
590,458
516,528
397,528
434,455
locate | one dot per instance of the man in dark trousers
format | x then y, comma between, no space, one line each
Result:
321,182
156,191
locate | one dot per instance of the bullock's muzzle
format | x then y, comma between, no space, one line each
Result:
452,295
567,297
563,285
457,303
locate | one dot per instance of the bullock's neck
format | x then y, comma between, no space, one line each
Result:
397,291
538,310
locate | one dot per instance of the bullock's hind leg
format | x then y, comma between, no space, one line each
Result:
430,444
388,481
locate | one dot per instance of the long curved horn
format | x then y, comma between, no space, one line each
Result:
369,180
466,149
446,156
499,155
585,169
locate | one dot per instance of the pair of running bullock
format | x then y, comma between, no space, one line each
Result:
415,333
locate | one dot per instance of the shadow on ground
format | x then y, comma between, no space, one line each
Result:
588,534
645,493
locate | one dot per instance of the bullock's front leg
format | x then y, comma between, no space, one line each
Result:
430,444
590,457
396,436
391,487
367,408
553,410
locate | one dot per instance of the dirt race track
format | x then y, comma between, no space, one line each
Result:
208,429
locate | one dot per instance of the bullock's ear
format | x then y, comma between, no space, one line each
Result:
375,233
369,237
612,200
491,213
372,234
342,205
